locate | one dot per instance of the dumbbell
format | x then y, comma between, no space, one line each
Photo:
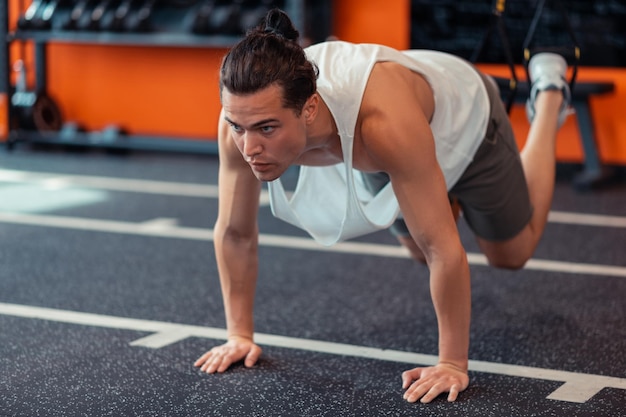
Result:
22,98
111,133
256,11
44,22
77,15
228,20
219,19
69,131
141,21
26,20
200,23
95,18
33,110
117,21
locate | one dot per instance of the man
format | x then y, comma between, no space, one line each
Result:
422,127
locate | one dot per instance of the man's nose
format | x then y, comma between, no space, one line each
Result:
251,145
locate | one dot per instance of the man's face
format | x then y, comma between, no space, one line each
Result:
269,136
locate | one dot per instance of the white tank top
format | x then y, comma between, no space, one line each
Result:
331,202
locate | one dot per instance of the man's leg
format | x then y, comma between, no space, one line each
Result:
538,162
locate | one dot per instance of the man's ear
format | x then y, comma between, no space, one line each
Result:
311,108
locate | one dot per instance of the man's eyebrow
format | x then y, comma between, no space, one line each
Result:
229,121
257,124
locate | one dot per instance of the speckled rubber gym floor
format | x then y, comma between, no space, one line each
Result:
109,292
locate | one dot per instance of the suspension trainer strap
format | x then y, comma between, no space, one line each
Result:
572,52
497,22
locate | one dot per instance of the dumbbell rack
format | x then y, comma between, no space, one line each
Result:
166,34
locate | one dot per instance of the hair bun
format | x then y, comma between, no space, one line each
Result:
277,22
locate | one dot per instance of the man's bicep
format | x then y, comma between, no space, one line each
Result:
420,188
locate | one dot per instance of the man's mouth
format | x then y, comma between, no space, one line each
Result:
260,166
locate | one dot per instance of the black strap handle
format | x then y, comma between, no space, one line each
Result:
497,22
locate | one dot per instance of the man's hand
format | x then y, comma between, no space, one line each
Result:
221,357
428,383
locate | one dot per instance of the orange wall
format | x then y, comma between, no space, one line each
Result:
159,91
372,21
154,91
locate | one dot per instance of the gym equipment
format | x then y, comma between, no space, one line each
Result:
111,134
498,22
44,22
142,19
25,21
117,22
68,131
182,3
33,110
97,13
594,172
252,17
213,18
200,23
77,14
21,98
571,54
229,21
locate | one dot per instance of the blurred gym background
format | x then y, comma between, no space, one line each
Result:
143,73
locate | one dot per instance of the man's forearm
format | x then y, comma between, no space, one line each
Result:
451,294
237,261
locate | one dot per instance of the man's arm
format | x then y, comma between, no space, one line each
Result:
236,251
426,210
398,140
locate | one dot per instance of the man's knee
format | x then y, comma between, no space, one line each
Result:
507,262
506,256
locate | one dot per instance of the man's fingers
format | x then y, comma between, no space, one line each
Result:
454,393
409,376
426,384
426,392
224,364
220,358
202,359
209,362
406,380
216,364
416,391
432,394
252,357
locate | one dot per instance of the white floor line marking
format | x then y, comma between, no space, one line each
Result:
161,223
580,392
162,339
116,184
110,183
586,219
290,242
577,387
210,191
29,198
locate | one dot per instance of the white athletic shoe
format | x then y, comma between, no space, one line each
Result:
547,72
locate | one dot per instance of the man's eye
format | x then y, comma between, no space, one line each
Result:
236,128
267,129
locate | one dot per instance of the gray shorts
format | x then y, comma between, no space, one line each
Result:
492,192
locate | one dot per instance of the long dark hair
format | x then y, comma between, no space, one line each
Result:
270,53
